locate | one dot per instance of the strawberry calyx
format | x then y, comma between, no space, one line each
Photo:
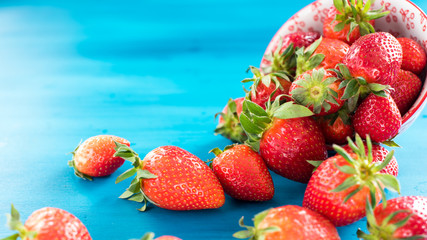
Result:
356,13
134,191
147,236
231,127
385,229
255,120
254,233
72,164
305,60
315,91
284,62
14,223
363,172
356,87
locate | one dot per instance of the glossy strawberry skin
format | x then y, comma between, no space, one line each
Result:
329,24
263,92
318,196
53,223
377,116
297,223
405,90
94,157
243,174
298,39
379,153
415,205
376,57
289,143
414,56
334,51
336,133
184,182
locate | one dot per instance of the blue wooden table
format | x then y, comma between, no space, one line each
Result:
152,72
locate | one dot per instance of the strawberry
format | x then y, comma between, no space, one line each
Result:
375,57
377,117
405,90
46,224
282,58
285,137
323,53
414,56
266,87
348,20
341,185
150,236
171,178
243,173
379,155
318,90
229,124
402,218
288,222
94,157
336,130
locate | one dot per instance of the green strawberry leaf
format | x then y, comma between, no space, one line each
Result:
291,110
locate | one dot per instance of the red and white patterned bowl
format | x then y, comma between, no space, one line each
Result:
405,20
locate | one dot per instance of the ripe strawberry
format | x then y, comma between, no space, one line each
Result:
243,173
414,56
150,236
171,178
318,90
285,137
229,125
281,57
288,222
348,20
94,157
267,87
324,53
379,155
341,185
46,224
405,90
402,218
377,117
336,130
376,57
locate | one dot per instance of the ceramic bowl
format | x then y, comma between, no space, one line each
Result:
405,20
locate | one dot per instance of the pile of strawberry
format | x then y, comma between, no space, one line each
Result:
346,90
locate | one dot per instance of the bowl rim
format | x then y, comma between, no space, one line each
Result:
419,103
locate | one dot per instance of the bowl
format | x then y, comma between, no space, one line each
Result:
405,20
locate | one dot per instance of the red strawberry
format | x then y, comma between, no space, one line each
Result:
243,173
46,224
229,124
341,185
150,236
324,53
285,137
377,117
281,56
405,90
414,56
288,222
94,157
376,57
171,178
318,90
348,20
267,87
402,218
379,155
336,130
